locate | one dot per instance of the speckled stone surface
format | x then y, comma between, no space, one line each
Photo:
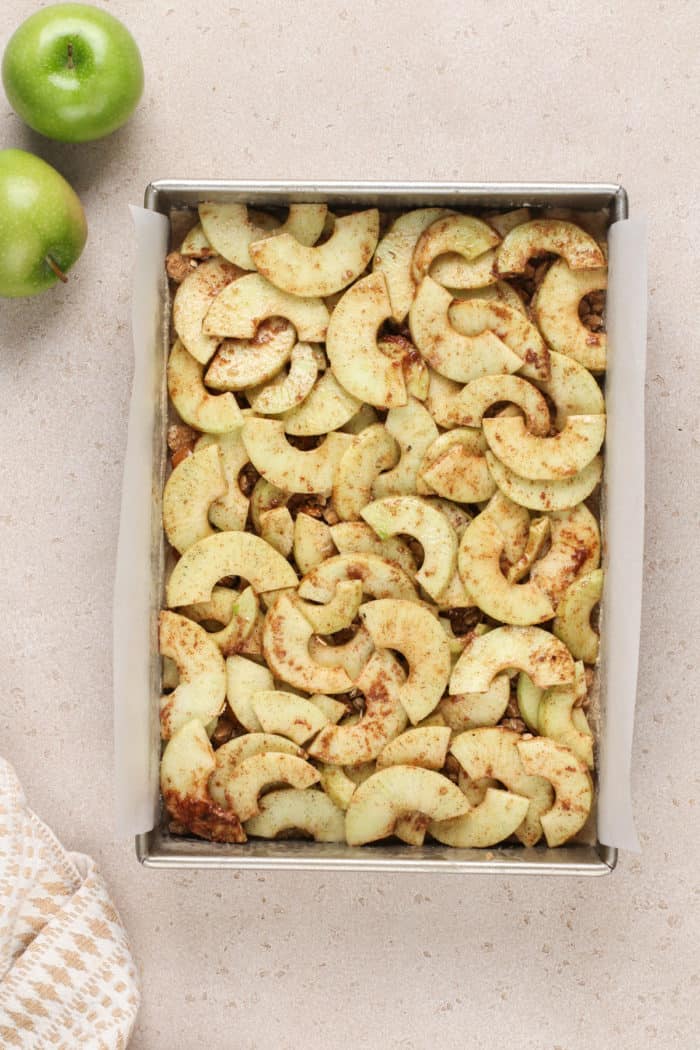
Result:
488,90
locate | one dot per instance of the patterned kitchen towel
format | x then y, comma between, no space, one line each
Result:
67,977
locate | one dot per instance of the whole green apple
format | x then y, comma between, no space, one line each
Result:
73,72
42,224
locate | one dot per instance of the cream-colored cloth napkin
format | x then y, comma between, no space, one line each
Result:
67,977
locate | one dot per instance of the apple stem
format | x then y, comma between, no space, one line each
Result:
71,63
56,269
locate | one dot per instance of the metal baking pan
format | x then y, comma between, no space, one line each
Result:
158,848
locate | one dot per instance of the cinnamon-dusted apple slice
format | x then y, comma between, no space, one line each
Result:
286,637
192,301
540,532
573,620
471,317
352,350
227,554
288,715
545,458
380,578
260,772
243,363
425,746
545,659
414,632
529,696
336,614
327,407
504,222
277,529
469,710
356,537
372,451
414,430
394,256
236,611
242,306
396,792
264,497
501,291
350,656
232,228
554,717
189,492
195,245
290,468
513,522
480,394
244,680
456,273
494,819
415,370
231,509
201,691
449,352
572,388
235,751
309,811
213,413
337,785
540,236
571,782
313,542
546,495
464,235
454,467
285,392
574,550
412,516
556,309
363,418
325,269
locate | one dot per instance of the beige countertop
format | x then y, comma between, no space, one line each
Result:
559,90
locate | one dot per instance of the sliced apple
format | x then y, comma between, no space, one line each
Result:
189,492
555,721
513,521
380,578
310,811
254,775
425,746
457,516
287,714
540,531
456,273
364,417
463,235
313,542
230,511
244,679
546,495
574,551
237,611
441,395
334,710
571,782
201,690
413,631
372,451
337,785
352,349
454,467
227,554
469,710
336,614
545,458
235,751
232,228
290,468
556,308
479,395
195,245
413,428
213,413
242,306
327,407
415,370
541,236
351,656
573,390
529,696
501,291
394,256
285,392
192,301
412,516
573,620
494,819
472,317
252,646
286,637
356,537
243,363
265,497
277,529
545,659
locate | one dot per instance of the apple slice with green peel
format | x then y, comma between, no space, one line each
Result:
254,775
327,407
337,785
201,690
243,363
244,680
235,751
540,530
494,819
213,413
232,228
192,302
469,710
242,306
529,696
574,551
277,529
371,452
572,623
189,492
556,305
356,537
356,742
479,395
310,811
454,467
195,245
230,511
571,782
236,611
338,613
463,235
227,554
543,236
350,656
480,552
573,390
447,351
455,272
394,255
305,271
284,393
380,578
413,631
545,458
313,542
290,468
555,721
288,715
546,495
412,516
396,792
286,637
471,317
425,746
539,653
351,345
414,430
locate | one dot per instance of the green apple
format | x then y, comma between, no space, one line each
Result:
42,224
73,72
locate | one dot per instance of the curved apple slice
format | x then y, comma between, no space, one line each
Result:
425,747
213,413
546,495
540,532
227,554
201,691
236,611
259,772
290,468
192,301
195,245
363,418
352,350
231,228
350,656
358,741
277,529
571,782
336,614
545,659
415,370
230,511
541,236
494,819
514,523
239,309
556,305
356,537
286,637
327,407
456,273
313,542
501,291
306,271
504,222
413,428
575,550
287,714
463,235
573,620
554,717
285,392
479,395
244,680
379,577
573,389
469,710
545,458
337,785
529,696
394,255
414,632
372,451
235,751
471,317
454,467
189,492
243,363
456,356
414,517
309,811
396,792
441,394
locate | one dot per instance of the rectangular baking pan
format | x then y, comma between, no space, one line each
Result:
158,848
